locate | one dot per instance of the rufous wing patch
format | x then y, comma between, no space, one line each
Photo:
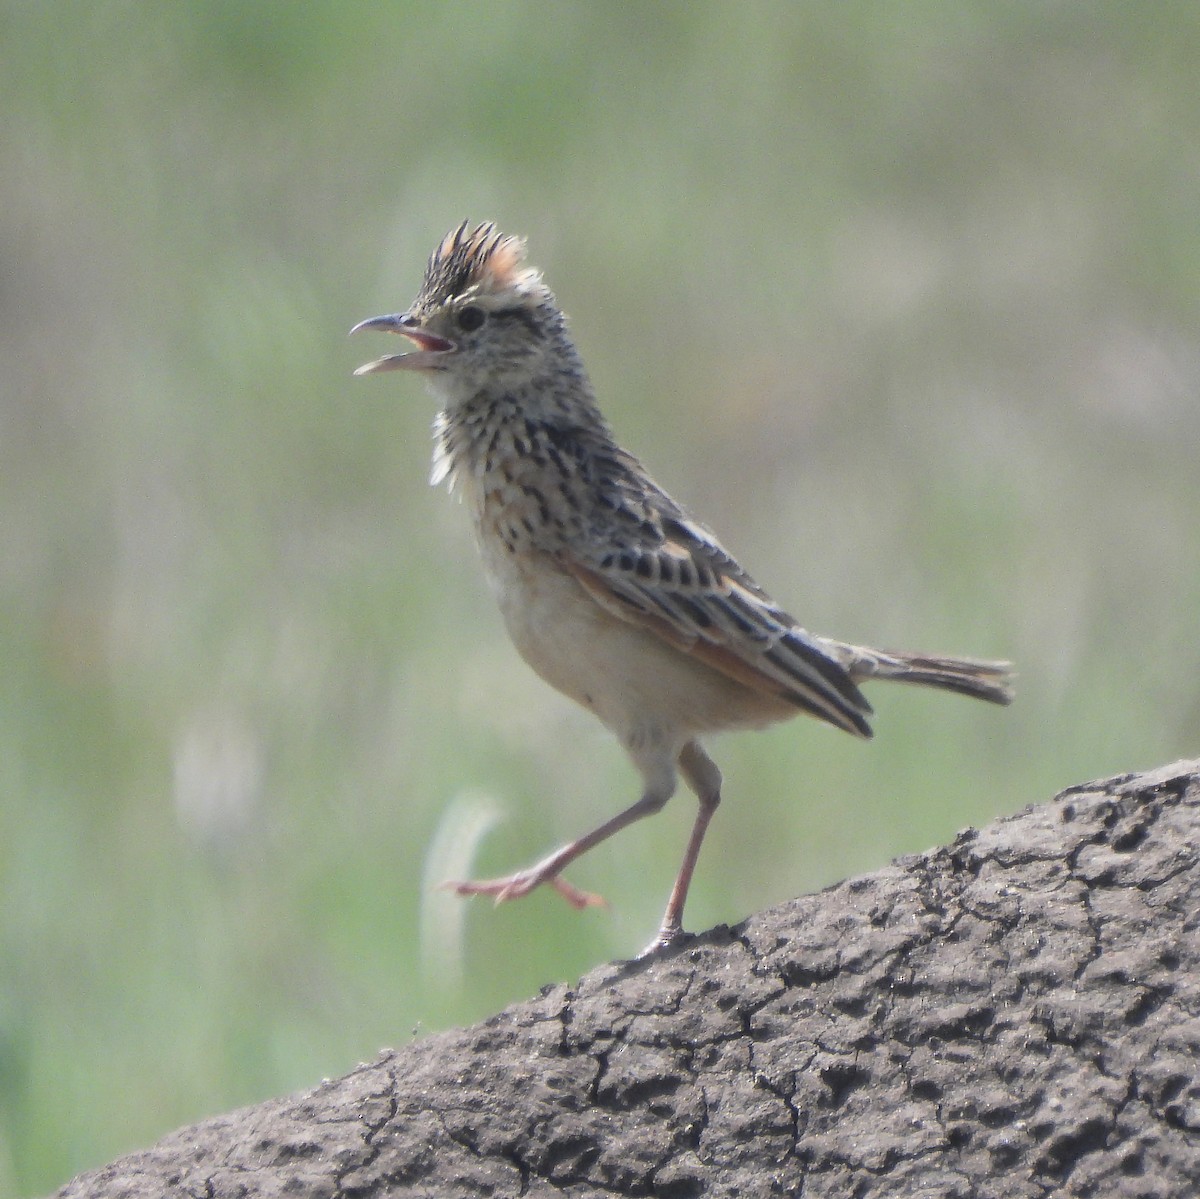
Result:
710,653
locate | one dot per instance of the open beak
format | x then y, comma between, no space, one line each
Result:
428,356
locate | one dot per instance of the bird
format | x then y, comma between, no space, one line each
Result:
609,589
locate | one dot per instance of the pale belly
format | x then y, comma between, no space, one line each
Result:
639,685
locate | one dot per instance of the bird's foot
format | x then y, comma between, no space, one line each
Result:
515,886
669,935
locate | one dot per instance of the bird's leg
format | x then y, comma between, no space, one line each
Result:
704,778
660,784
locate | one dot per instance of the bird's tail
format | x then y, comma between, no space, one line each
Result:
992,681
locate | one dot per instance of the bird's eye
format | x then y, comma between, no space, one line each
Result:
470,318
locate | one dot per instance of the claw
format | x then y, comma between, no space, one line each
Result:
577,898
518,885
667,937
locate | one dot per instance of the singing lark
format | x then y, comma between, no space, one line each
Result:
613,592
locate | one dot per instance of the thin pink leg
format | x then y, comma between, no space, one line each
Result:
705,779
514,886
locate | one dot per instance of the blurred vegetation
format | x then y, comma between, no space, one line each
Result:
902,299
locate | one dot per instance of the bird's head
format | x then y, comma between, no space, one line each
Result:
481,318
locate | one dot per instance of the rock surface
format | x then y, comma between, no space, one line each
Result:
1017,1014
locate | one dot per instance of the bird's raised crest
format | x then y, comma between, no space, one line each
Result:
480,260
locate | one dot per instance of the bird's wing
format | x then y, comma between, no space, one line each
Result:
652,565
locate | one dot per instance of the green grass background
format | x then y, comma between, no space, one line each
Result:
903,299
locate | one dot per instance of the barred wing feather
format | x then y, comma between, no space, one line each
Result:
676,580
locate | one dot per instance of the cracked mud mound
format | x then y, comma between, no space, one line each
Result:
1015,1015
